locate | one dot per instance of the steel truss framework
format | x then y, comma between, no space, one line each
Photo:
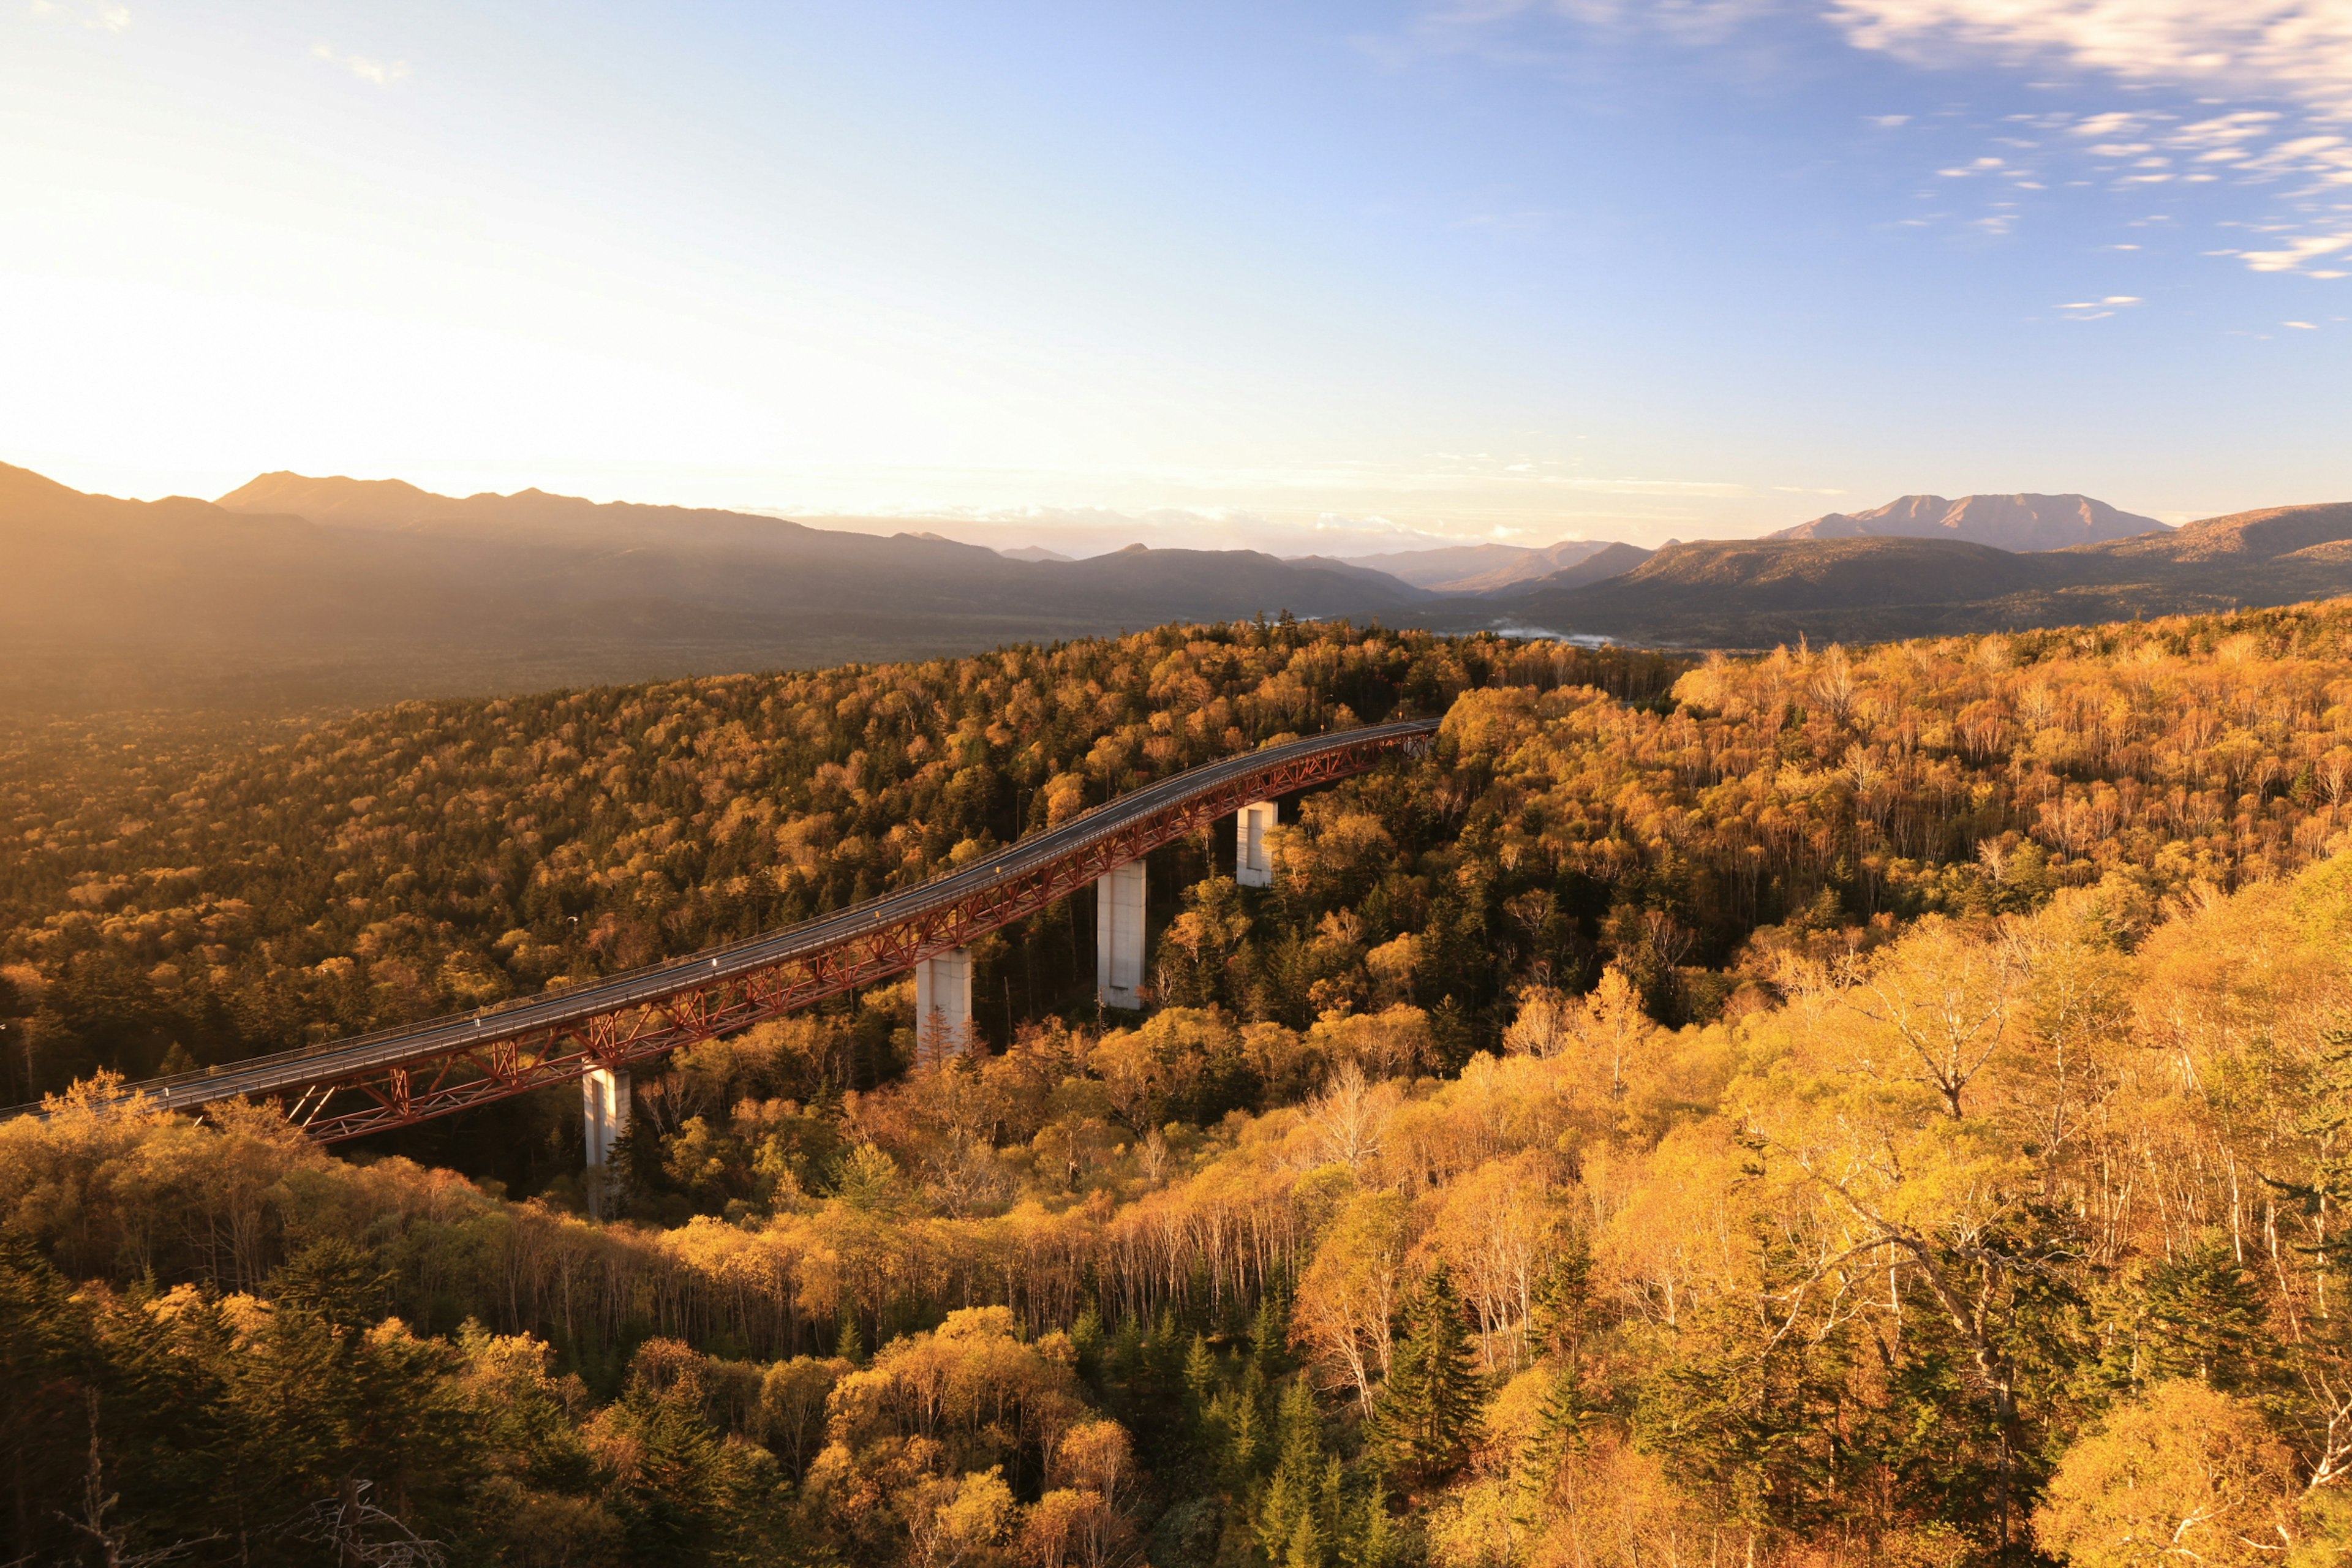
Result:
342,1100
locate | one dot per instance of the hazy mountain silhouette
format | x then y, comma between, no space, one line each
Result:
2006,522
295,588
1481,568
1757,593
1609,561
308,590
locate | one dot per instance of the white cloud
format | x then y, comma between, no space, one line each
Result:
2300,47
383,73
2098,310
98,16
2298,251
2306,326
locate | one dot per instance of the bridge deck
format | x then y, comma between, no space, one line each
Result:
475,1057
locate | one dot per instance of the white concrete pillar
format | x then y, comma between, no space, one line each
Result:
605,1104
1253,846
1118,936
943,1005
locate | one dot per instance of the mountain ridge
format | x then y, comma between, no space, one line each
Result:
401,592
2022,522
1479,568
1756,592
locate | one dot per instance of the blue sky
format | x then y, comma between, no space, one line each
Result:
1312,277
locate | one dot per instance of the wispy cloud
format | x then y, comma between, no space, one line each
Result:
2099,309
2301,48
383,73
2253,94
98,16
2297,255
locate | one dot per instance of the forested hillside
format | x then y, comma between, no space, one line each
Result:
1855,1108
2013,1235
172,902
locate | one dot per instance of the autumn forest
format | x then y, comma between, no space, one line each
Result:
1841,1106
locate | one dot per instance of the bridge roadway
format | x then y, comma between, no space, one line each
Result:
346,1088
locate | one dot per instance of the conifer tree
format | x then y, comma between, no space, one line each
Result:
1269,1331
1244,1438
1426,1419
1562,1432
1201,1381
1306,1549
1372,1542
1292,1497
1087,1339
1562,1308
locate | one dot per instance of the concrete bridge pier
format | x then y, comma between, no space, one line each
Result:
1118,936
943,1005
1253,852
604,1102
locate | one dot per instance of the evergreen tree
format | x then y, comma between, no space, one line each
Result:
1305,1548
334,1280
1561,1310
1086,1340
1426,1419
1269,1334
2199,1315
1244,1438
1294,1496
1372,1542
1561,1432
1201,1377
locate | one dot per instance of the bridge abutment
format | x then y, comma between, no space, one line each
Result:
943,1005
1253,845
605,1103
1118,936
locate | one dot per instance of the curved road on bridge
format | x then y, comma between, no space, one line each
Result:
722,989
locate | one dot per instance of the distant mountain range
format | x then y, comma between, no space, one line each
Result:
295,590
292,588
2016,522
1758,592
1481,568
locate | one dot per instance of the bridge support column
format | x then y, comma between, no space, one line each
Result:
943,1006
1253,852
1118,936
604,1101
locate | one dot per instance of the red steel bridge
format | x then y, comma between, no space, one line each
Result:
347,1089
